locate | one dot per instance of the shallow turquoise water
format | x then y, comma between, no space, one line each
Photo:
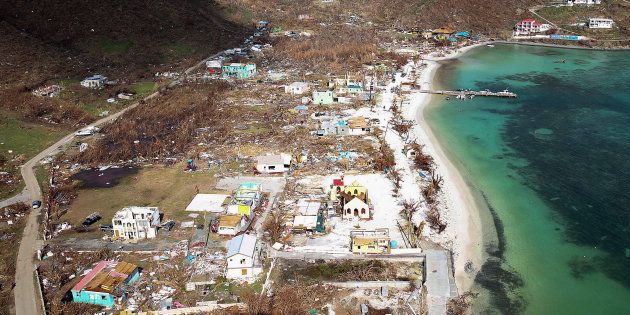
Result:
553,166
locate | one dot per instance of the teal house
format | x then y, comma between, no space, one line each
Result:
101,286
323,97
238,70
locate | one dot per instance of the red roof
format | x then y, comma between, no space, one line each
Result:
337,182
528,20
92,274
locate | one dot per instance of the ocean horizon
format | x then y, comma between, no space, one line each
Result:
550,167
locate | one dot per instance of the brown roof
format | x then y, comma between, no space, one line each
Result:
107,280
357,123
229,220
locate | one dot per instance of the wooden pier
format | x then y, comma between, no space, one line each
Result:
469,93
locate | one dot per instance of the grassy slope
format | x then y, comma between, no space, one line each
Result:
24,138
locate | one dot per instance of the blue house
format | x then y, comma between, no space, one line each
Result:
238,70
100,285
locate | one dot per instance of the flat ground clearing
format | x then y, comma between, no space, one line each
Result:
24,139
169,188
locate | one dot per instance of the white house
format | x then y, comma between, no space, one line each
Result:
94,82
136,222
277,163
356,208
296,88
582,2
243,257
600,23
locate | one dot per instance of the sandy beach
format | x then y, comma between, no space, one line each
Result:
464,231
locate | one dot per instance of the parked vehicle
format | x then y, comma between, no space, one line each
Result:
91,219
106,227
37,204
168,225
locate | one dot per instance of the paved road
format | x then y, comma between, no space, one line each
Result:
19,198
26,292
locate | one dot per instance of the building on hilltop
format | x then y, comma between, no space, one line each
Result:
582,2
600,23
238,70
94,82
529,26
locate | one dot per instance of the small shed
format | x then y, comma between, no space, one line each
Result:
277,163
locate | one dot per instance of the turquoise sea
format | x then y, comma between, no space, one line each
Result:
553,168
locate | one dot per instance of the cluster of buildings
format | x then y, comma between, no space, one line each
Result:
343,89
349,202
532,26
234,211
354,126
352,199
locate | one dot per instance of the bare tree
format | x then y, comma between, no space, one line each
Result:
435,220
275,224
409,208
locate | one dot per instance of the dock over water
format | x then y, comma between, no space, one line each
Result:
469,93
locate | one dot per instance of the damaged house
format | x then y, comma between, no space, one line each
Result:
276,163
243,257
136,223
104,284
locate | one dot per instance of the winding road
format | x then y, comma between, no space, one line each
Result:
26,292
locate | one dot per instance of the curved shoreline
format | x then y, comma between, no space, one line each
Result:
463,218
